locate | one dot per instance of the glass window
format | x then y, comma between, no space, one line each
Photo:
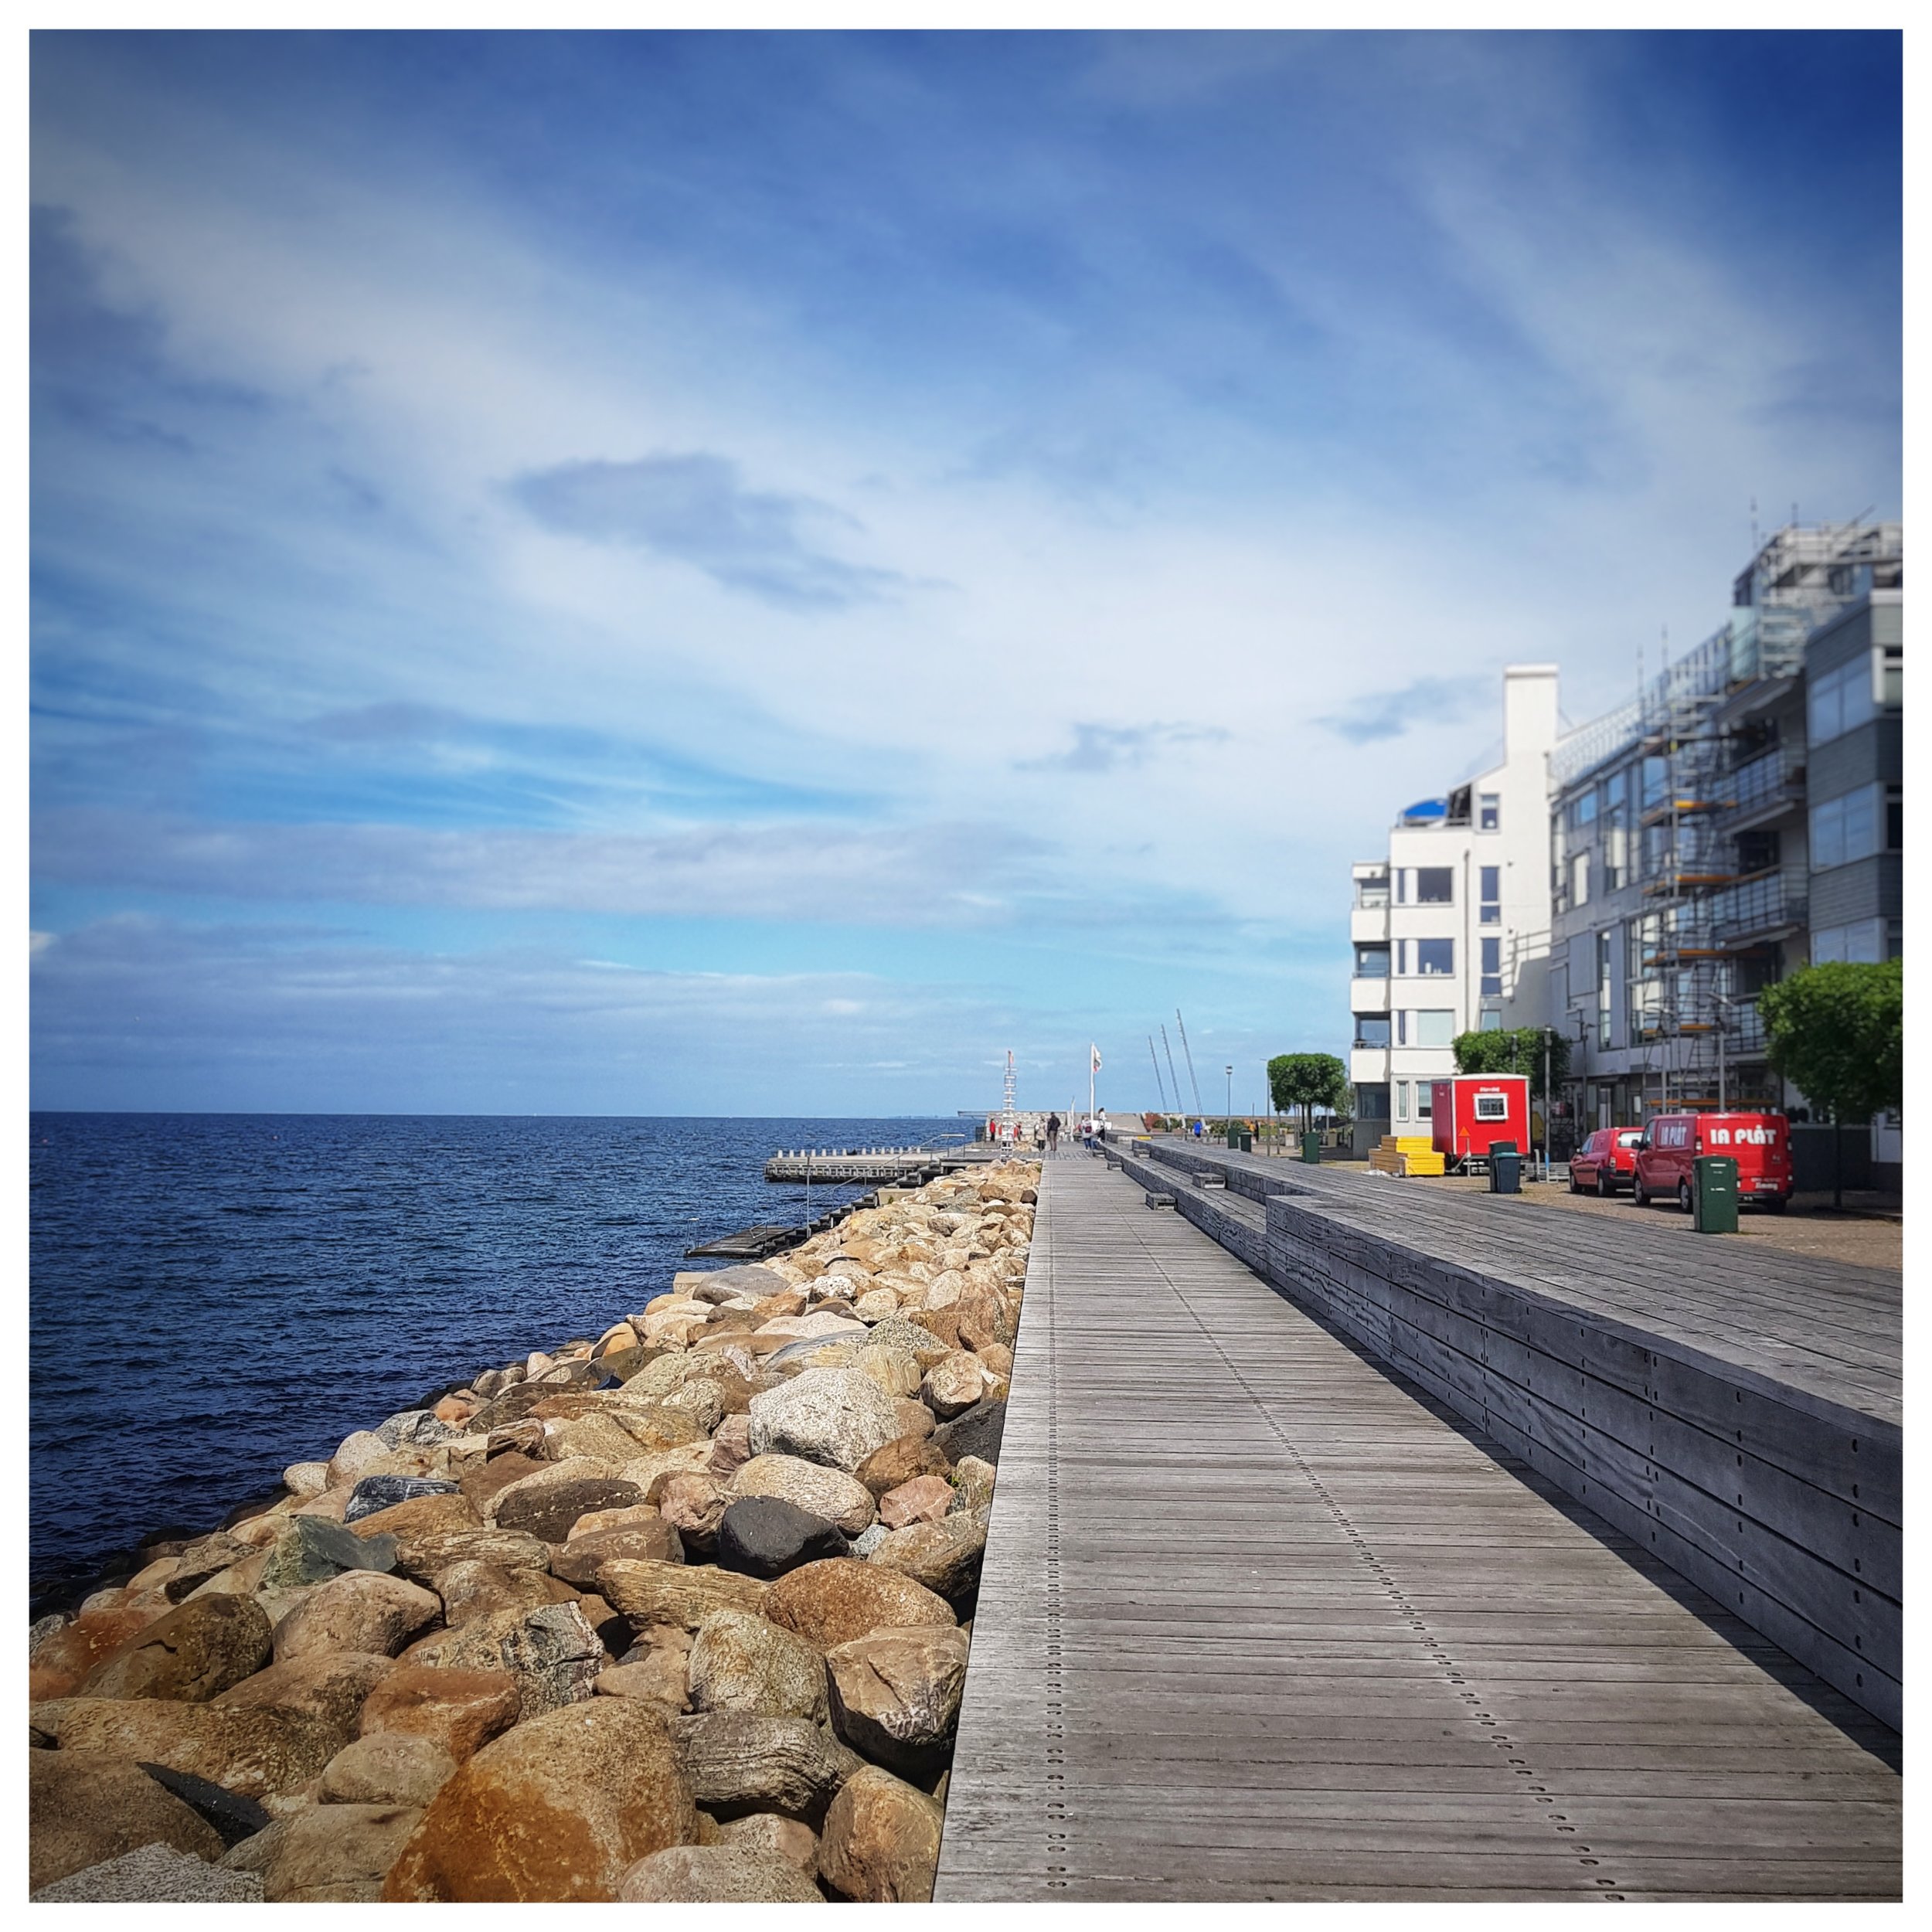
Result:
1372,1029
1656,779
1616,789
1488,811
1372,962
1435,1029
1402,1100
1492,1107
1402,885
1840,701
1583,809
1425,1099
1435,957
1580,879
1492,881
1372,891
1489,1022
1863,942
1849,827
1895,820
1491,966
1892,679
1435,885
1372,1100
1402,1027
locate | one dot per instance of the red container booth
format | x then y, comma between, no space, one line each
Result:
1470,1112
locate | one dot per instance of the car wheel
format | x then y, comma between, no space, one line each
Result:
1638,1197
1684,1196
1777,1203
1604,1190
1576,1186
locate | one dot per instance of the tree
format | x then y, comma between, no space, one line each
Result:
1308,1080
1517,1050
1837,1033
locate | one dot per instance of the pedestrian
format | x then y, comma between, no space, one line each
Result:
1053,1134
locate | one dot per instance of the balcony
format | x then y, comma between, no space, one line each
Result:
1369,924
1764,790
1755,910
1369,1066
1369,995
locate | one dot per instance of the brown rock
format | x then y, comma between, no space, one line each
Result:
717,1874
547,1508
998,1357
790,1838
984,1321
786,1301
362,1453
731,1446
551,1652
944,1556
828,1494
193,1653
329,1686
595,1522
880,1843
558,1809
655,1468
831,1602
952,1387
614,1632
61,1665
86,1806
357,1610
942,1322
256,1751
461,1710
894,1695
480,1484
743,1663
973,1483
206,1557
694,1506
924,1499
658,1425
660,1674
339,1852
677,1593
386,1768
903,1461
454,1409
470,1590
652,1541
594,1438
412,1522
425,1559
739,1763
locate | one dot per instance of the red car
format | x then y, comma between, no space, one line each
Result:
1606,1161
1759,1143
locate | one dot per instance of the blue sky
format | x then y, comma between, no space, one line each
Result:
751,574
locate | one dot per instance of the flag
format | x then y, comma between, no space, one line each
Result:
1096,1052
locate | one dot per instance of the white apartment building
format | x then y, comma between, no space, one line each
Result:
1451,929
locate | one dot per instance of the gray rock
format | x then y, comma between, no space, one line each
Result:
416,1428
312,1549
41,1628
738,1764
833,1415
717,1874
155,1874
381,1492
864,1544
749,1281
976,1432
766,1537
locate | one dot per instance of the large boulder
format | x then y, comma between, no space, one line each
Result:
558,1809
312,1549
943,1556
61,1661
330,1685
258,1751
880,1842
231,1817
338,1853
717,1874
832,1494
763,1537
373,1494
894,1695
153,1875
694,1505
678,1594
192,1654
790,1838
552,1652
924,1499
952,1387
743,1663
470,1590
357,1610
458,1710
548,1510
385,1767
975,1433
830,1603
836,1416
740,1762
422,1558
902,1461
650,1541
207,1557
730,1447
84,1806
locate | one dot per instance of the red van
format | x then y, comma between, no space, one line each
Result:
1759,1143
1606,1161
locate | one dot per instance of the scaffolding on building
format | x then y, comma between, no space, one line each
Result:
1709,901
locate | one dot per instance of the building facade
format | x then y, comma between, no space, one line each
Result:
1449,928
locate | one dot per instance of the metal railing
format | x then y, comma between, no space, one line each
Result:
1755,906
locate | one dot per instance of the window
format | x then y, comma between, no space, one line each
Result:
1656,780
1402,1028
1583,810
1372,962
1892,680
1488,811
1435,1028
1605,969
1402,957
1580,879
1863,942
1372,1100
1846,828
1492,1107
1491,881
1402,885
1372,1029
1372,891
1425,1099
1435,957
1435,885
1616,790
1402,1100
1894,819
1489,1022
1840,701
1493,966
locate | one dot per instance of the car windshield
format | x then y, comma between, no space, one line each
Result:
1630,1139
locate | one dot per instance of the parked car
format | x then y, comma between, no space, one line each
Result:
1759,1143
1606,1161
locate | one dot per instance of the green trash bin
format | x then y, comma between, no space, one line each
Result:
1714,1194
1311,1148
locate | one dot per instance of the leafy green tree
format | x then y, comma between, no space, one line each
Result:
1837,1033
1517,1050
1308,1080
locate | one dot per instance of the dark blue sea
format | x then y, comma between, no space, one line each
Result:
217,1296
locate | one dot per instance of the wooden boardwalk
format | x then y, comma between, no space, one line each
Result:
1260,1620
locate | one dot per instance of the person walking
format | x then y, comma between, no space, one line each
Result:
1053,1134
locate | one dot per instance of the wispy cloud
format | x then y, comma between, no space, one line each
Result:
1388,714
1099,748
697,510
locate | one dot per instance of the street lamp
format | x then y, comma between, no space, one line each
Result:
1230,1073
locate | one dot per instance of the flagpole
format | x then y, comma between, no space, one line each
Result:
1090,1085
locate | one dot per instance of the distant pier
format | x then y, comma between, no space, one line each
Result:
913,1165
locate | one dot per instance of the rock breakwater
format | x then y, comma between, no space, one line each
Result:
678,1612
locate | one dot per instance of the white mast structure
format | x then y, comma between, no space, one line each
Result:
1007,1126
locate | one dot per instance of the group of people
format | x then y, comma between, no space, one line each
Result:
1092,1130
